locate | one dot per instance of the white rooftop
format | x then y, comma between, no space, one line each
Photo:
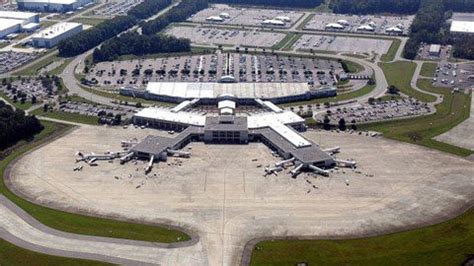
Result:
8,23
462,26
165,114
56,30
16,15
190,90
59,2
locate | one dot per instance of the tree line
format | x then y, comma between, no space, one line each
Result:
178,13
375,6
278,3
136,44
90,38
459,5
149,42
16,126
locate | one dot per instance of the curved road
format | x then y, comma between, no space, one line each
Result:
19,228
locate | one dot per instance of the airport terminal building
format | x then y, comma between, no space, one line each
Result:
276,128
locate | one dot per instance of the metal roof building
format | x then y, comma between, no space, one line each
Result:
51,5
9,26
51,36
462,27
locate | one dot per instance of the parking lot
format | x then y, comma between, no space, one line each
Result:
12,60
29,87
343,44
212,67
351,23
378,111
92,109
234,37
119,8
245,16
454,75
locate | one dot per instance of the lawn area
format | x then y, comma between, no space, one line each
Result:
89,21
390,55
446,243
75,223
76,118
353,67
13,255
18,104
305,21
400,74
421,130
341,97
428,69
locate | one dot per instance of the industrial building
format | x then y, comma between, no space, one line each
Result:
12,22
52,5
435,50
9,26
462,27
178,92
276,128
51,36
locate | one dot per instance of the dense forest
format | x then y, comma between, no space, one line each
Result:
464,47
177,14
15,126
136,44
459,5
88,39
279,3
375,6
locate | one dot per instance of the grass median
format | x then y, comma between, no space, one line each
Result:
81,224
392,51
446,243
71,117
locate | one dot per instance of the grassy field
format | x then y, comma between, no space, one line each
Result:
400,75
421,130
13,255
353,67
428,69
447,243
76,118
341,97
390,55
81,224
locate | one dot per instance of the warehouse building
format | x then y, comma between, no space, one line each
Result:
26,17
462,27
12,22
9,26
52,5
435,50
51,36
